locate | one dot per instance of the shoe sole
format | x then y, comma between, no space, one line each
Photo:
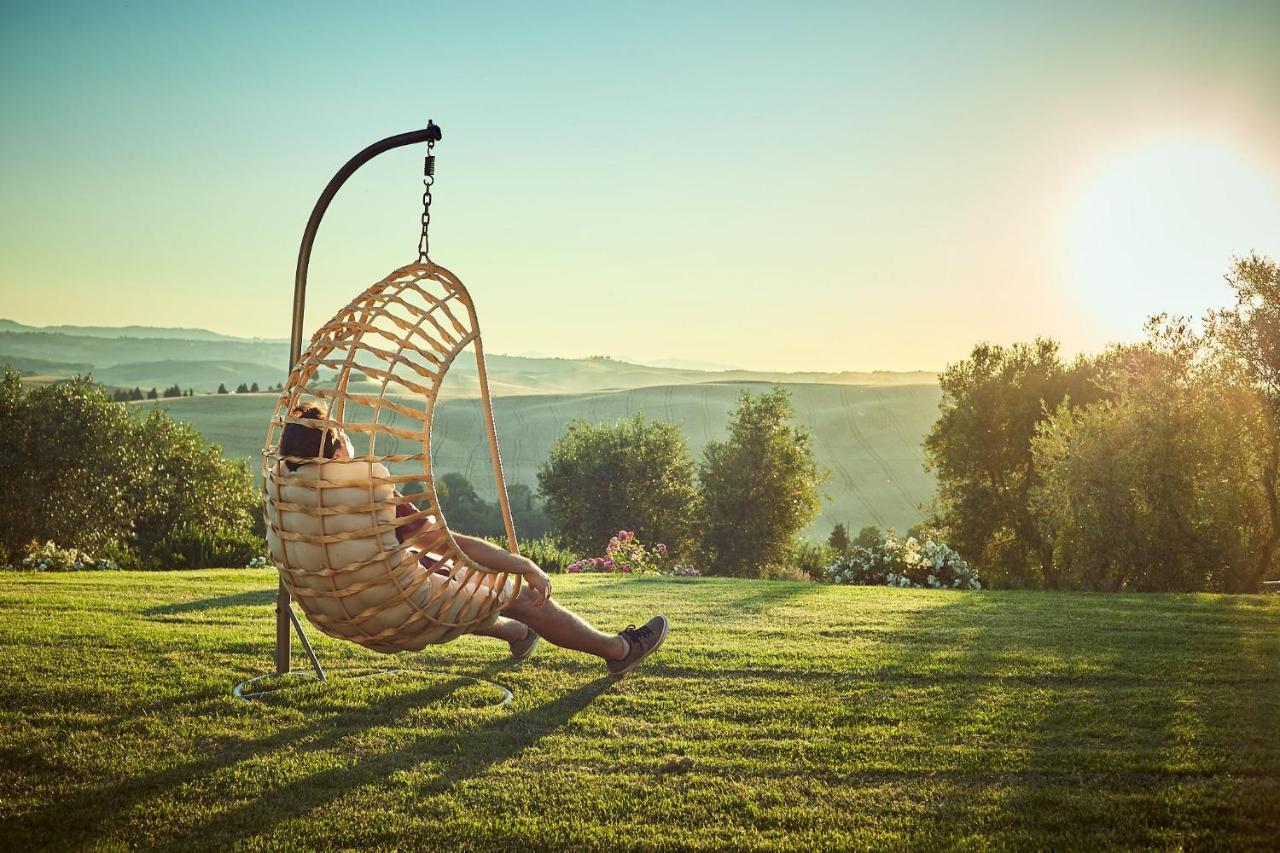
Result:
662,638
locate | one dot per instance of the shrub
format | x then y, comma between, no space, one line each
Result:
548,553
759,487
811,558
192,546
635,474
82,471
784,572
50,558
903,562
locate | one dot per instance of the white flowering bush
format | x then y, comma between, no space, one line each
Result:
259,563
684,570
50,558
904,563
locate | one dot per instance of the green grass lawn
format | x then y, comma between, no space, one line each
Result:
778,715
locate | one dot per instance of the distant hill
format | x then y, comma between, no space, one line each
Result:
868,436
203,375
194,358
123,332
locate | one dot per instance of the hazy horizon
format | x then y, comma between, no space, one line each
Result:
820,188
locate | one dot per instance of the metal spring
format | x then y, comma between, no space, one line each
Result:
429,166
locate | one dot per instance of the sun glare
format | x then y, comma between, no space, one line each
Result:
1156,228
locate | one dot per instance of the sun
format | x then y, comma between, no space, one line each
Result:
1155,230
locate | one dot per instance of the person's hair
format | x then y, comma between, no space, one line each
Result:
300,440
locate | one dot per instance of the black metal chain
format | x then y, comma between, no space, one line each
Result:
428,178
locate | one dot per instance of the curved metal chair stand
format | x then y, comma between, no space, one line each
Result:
365,562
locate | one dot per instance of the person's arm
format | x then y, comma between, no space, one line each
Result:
493,557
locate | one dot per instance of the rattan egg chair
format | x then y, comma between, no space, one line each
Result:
332,523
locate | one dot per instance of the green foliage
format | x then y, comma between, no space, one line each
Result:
891,561
809,558
760,487
635,475
1161,488
980,449
467,512
868,537
839,538
92,475
189,545
549,553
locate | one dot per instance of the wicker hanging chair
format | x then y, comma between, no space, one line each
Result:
331,523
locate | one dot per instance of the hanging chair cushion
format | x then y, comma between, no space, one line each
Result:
333,524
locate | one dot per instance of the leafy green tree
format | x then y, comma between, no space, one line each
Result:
136,394
839,538
242,388
868,537
89,474
635,475
222,388
1159,488
760,487
153,394
253,388
980,450
172,391
1246,337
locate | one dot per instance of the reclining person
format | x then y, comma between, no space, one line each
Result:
523,620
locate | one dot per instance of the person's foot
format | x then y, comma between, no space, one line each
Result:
641,642
522,649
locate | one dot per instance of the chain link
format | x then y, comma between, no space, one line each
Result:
428,178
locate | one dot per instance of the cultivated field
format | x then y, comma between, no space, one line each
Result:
778,716
868,436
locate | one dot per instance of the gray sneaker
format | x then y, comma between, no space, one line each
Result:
522,649
643,642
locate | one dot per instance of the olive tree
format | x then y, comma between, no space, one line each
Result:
635,474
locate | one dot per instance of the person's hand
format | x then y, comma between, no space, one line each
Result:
538,581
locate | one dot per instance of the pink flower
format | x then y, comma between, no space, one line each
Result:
608,564
625,568
662,549
575,567
626,535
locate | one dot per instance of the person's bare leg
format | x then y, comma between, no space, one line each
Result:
510,630
565,628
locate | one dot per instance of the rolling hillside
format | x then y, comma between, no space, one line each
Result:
868,436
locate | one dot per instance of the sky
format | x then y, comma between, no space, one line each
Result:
847,186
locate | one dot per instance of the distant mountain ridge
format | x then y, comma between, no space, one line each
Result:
180,333
148,356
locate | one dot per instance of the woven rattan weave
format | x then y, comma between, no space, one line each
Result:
331,523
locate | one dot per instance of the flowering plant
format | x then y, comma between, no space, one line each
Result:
625,553
50,558
906,563
259,563
685,571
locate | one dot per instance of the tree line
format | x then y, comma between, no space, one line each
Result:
1149,466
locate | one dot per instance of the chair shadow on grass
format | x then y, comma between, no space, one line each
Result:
253,598
491,744
88,820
